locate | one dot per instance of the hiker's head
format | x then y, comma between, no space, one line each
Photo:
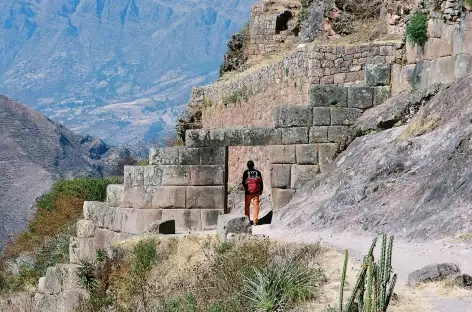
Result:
250,164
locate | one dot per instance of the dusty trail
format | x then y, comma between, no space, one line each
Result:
407,257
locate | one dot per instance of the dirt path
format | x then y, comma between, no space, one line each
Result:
407,257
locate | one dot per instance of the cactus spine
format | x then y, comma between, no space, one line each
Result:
374,286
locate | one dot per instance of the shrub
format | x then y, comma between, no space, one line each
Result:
277,286
144,255
416,30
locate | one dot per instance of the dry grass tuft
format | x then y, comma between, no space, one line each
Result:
446,289
420,126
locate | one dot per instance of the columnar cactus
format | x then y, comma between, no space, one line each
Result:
374,286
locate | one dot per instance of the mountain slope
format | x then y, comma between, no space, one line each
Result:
35,151
85,62
414,180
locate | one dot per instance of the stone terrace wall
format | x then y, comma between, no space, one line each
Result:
446,56
248,100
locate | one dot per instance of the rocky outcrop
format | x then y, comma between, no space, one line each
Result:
427,161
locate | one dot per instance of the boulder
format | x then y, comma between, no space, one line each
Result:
233,223
162,227
433,273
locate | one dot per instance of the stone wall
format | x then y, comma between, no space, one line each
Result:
446,56
273,24
249,99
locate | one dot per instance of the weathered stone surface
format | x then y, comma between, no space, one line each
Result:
318,134
111,218
462,65
435,48
162,227
169,197
211,156
185,219
443,69
136,221
85,228
153,175
104,238
338,134
205,197
463,280
115,194
233,223
133,176
61,278
138,197
175,175
328,95
164,156
210,218
286,116
74,251
207,175
344,116
115,253
295,135
197,138
261,136
307,154
93,210
301,174
42,285
360,97
432,273
377,74
381,94
192,155
281,197
326,154
46,302
280,176
282,154
71,299
234,137
321,116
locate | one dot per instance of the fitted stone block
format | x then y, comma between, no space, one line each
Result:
115,195
344,116
169,197
164,156
327,153
381,94
321,116
197,138
295,135
61,278
443,68
318,134
210,218
338,134
280,175
282,154
175,175
377,74
281,197
307,154
261,136
185,219
360,97
286,116
85,228
191,155
138,197
302,174
328,95
205,197
207,175
212,156
112,218
133,176
153,175
137,221
93,210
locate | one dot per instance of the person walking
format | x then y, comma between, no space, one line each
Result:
253,187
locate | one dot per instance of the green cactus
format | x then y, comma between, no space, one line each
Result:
374,286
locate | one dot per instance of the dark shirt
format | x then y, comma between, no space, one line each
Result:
252,173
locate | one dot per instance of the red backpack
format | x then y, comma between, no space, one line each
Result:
254,185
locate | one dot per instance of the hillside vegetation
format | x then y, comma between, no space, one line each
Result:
46,241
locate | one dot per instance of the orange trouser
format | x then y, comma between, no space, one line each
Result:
247,202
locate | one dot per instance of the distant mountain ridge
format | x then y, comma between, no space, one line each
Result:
120,70
34,152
